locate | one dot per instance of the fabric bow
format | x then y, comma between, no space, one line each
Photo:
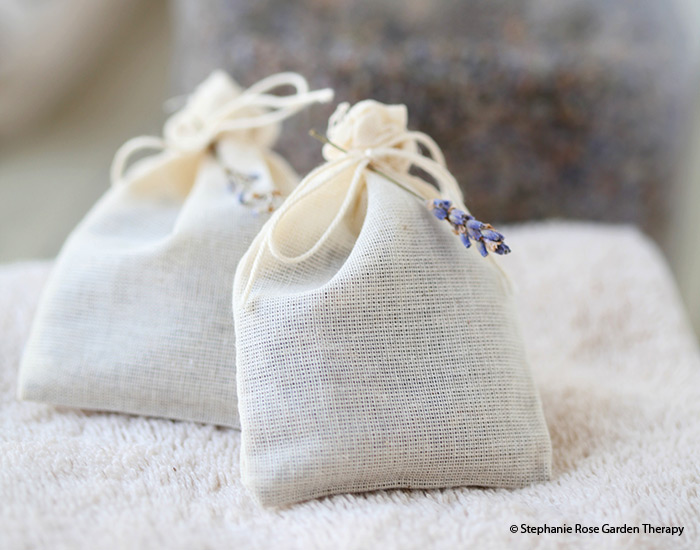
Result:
219,106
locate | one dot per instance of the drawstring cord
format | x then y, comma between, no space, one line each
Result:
190,130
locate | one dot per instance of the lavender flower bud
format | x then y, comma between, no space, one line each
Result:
481,247
475,225
474,234
441,208
492,235
502,249
458,217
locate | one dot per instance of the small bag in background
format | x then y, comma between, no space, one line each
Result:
374,351
136,316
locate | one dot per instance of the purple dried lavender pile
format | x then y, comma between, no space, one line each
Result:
545,108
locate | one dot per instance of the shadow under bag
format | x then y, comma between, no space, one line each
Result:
374,350
136,316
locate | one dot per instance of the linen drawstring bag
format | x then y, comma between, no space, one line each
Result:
136,316
374,350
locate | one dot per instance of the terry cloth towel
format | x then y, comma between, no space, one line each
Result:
612,354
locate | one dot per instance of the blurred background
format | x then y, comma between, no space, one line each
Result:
576,109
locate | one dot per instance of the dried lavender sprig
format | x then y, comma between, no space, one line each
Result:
485,237
260,202
241,184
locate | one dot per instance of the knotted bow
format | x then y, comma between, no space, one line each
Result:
372,136
219,106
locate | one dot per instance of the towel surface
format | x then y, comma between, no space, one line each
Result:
612,354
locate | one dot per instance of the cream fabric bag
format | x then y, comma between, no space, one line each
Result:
136,317
374,351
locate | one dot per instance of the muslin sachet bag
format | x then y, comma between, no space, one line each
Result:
375,351
136,316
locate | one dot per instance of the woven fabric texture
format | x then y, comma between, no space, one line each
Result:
391,357
136,316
